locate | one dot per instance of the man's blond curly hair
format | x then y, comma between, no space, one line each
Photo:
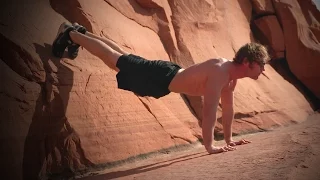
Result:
254,52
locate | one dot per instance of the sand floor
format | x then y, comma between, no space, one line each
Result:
291,152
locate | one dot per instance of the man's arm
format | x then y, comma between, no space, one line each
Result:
227,112
211,101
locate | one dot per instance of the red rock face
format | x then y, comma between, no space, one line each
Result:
63,116
263,6
272,35
301,40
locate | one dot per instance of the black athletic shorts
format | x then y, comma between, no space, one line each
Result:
145,77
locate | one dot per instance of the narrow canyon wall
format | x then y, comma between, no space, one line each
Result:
61,116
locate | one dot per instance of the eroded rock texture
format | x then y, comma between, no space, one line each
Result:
61,116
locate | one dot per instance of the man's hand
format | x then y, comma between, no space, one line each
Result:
215,150
236,143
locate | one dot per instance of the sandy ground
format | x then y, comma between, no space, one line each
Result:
291,152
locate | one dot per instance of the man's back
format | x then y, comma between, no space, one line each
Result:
192,80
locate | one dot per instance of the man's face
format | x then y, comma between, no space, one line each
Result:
255,69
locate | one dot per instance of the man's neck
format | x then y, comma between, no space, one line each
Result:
236,71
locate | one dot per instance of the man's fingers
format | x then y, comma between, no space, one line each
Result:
240,142
217,150
236,143
229,148
222,149
245,141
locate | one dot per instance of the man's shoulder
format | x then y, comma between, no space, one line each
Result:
218,61
224,60
217,73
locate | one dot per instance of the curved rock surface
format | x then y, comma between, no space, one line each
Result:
271,33
263,6
300,22
61,116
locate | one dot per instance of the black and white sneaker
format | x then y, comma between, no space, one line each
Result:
73,49
62,40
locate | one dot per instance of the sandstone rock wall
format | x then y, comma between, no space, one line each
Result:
291,29
63,116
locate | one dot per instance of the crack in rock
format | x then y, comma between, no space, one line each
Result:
148,108
261,129
85,89
239,115
182,138
131,18
171,136
15,98
261,15
72,65
161,27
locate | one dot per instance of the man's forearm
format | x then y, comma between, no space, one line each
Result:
227,118
208,124
207,133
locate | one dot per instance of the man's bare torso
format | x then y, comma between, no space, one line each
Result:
193,80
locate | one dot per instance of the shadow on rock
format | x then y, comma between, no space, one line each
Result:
52,147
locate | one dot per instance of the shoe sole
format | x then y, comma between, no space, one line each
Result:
73,51
60,33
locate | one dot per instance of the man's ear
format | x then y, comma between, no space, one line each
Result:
245,62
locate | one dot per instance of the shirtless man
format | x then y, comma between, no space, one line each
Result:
213,79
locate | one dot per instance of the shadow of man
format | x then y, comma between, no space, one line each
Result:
52,147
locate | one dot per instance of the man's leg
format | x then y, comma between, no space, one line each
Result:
109,42
98,48
74,48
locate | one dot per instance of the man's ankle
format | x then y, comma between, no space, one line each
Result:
71,35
